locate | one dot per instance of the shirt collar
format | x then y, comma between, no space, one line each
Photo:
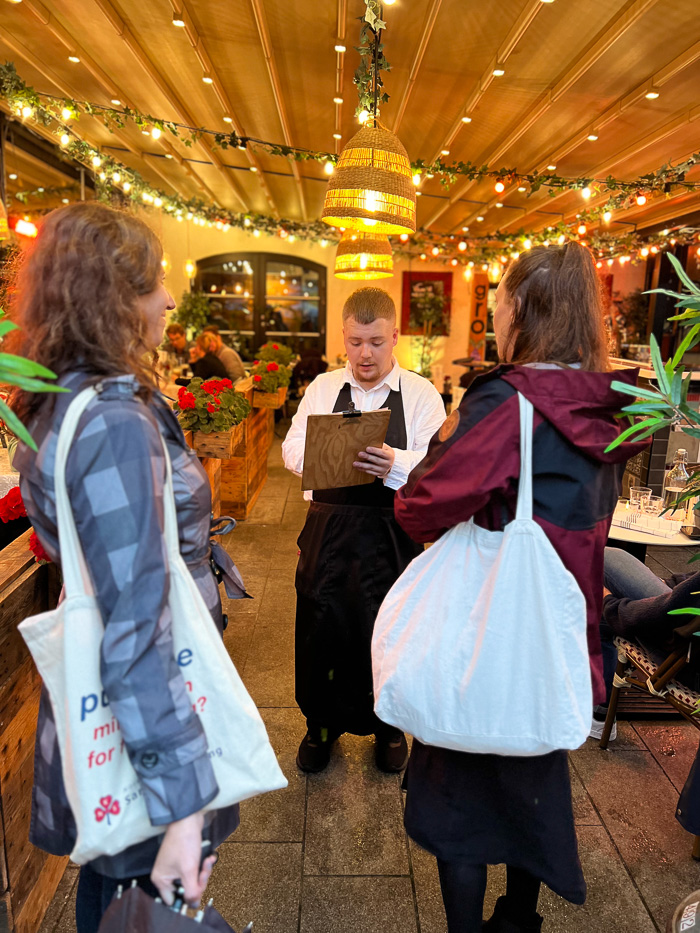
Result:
392,378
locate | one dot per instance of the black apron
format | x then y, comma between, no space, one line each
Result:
352,550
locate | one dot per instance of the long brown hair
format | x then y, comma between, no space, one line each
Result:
74,295
557,308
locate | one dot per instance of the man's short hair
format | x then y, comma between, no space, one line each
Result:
368,304
211,329
175,328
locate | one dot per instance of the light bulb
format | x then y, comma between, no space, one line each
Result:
498,73
468,274
462,246
189,269
227,119
178,20
292,238
155,132
403,237
527,243
592,137
116,102
561,240
96,161
453,262
416,179
651,95
522,188
74,59
641,199
599,265
499,204
390,2
445,152
66,113
337,136
103,176
435,251
485,267
27,112
607,216
126,186
586,193
65,139
371,202
253,168
363,260
339,47
479,218
116,178
465,229
551,168
256,232
470,264
654,249
363,116
329,168
581,229
644,252
499,186
466,119
610,262
207,79
337,100
514,255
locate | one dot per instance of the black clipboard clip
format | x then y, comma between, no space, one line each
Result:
352,412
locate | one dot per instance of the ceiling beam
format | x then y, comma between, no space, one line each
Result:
339,68
428,26
180,7
184,116
616,109
108,86
614,29
268,52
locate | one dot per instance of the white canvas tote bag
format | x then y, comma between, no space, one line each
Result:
103,789
480,645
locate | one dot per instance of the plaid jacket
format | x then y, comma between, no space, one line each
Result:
115,475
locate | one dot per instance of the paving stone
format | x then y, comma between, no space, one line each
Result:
60,917
238,637
357,905
354,823
279,816
431,912
259,882
637,803
584,812
627,740
674,745
267,511
269,669
612,902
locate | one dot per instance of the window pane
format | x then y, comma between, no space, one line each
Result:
287,280
293,316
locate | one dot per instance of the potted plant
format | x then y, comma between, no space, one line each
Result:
192,312
276,353
270,381
429,315
215,413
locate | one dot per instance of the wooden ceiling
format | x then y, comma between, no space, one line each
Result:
572,68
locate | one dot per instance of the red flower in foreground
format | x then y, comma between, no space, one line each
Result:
275,347
211,408
272,367
257,378
212,386
186,400
226,383
12,506
37,549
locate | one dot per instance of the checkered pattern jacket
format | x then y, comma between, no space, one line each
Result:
115,476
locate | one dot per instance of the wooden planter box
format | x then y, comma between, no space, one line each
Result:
28,876
219,445
269,399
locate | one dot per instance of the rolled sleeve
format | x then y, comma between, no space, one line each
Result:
115,477
427,418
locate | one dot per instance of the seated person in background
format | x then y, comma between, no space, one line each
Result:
231,360
310,365
176,342
636,604
204,362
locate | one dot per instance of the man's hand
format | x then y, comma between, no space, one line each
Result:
377,461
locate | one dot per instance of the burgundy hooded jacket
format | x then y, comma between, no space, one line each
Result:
473,463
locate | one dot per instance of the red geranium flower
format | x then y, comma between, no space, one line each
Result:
256,362
217,400
211,408
272,367
12,506
187,401
275,347
226,383
257,378
37,549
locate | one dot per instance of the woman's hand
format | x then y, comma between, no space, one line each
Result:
377,461
178,857
606,592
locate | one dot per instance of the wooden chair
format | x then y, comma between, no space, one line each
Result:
637,669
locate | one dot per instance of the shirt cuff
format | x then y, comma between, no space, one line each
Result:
398,474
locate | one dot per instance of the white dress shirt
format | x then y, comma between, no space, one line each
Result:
423,410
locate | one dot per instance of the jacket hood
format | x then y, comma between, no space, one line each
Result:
581,405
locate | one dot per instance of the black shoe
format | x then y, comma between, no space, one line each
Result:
313,755
391,752
500,922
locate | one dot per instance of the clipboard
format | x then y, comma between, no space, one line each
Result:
333,443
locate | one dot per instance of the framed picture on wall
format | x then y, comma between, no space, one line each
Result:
426,295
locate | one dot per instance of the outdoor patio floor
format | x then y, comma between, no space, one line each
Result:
329,854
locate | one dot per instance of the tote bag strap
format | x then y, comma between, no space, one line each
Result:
75,573
524,509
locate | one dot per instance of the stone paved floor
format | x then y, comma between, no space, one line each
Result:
329,854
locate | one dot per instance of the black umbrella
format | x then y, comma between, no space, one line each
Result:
134,911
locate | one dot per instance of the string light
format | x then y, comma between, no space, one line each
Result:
561,240
610,262
592,137
416,179
468,274
337,136
362,117
337,100
227,119
339,47
462,246
207,79
453,262
527,243
651,95
499,204
329,168
435,251
522,188
74,59
126,186
499,186
644,252
27,111
551,168
479,218
155,132
103,176
116,178
116,102
581,230
404,237
607,216
586,193
498,72
65,139
445,152
96,161
466,119
641,199
66,113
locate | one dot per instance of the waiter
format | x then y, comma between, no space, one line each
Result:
351,548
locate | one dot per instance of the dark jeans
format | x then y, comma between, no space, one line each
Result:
95,893
625,577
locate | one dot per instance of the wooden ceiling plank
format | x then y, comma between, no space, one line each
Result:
623,103
125,34
110,88
428,26
340,67
682,118
268,52
180,7
612,32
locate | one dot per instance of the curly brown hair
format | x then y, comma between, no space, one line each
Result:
74,295
558,311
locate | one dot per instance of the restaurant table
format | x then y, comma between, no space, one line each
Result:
635,541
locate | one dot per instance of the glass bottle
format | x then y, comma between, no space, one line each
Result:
674,485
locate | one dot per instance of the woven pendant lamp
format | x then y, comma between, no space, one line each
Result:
372,187
363,256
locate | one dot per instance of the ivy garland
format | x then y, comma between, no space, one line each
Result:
51,109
